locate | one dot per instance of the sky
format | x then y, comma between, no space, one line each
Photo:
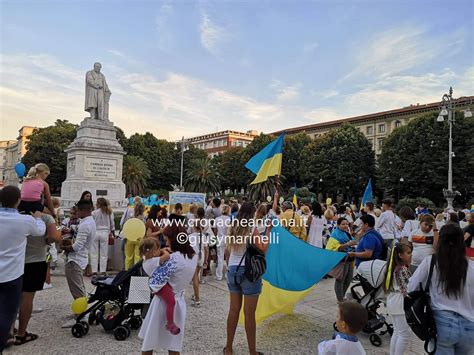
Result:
185,68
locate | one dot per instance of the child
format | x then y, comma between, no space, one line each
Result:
395,285
351,318
154,257
34,190
424,240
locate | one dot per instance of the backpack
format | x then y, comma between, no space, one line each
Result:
418,312
255,264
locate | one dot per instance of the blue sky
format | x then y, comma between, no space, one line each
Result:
187,68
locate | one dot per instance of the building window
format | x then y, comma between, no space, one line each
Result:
369,130
371,142
241,144
215,143
380,143
382,128
398,123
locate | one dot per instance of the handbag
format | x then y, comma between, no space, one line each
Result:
339,272
139,292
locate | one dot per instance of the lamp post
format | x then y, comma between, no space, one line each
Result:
320,180
448,109
401,180
184,147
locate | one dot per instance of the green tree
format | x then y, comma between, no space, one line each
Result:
259,192
418,152
46,145
292,167
343,158
135,174
231,168
202,177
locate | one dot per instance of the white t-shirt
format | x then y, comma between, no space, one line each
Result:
386,225
14,229
422,246
340,346
222,223
410,227
85,235
464,305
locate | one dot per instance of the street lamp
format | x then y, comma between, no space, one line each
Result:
448,109
184,147
401,180
319,182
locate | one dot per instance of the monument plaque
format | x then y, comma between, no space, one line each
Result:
100,168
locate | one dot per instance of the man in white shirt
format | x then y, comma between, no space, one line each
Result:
77,252
386,224
15,228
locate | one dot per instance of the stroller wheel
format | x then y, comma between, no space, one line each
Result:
86,327
78,330
135,323
375,339
121,332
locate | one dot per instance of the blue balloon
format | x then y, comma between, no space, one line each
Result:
20,169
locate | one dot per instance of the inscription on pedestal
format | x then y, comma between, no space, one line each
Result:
100,168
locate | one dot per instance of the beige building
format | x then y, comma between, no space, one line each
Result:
377,126
3,159
217,143
14,151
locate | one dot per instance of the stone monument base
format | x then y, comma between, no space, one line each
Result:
94,164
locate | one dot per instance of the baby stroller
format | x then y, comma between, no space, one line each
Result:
109,306
369,293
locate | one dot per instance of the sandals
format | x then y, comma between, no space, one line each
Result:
195,303
25,339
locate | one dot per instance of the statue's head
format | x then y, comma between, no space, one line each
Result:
97,67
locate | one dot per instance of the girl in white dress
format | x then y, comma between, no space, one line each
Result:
316,225
178,273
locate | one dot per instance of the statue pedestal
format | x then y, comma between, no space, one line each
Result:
94,163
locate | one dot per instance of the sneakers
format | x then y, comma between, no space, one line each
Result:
173,328
47,286
69,323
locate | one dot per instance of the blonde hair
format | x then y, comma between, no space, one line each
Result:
56,202
139,210
147,245
36,170
329,214
225,210
378,212
440,217
261,211
305,209
104,205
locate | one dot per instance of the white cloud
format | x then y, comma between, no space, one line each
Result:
325,94
394,51
289,93
322,114
310,47
211,34
116,53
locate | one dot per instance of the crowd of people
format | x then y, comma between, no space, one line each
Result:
33,233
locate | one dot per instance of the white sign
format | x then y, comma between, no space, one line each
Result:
100,168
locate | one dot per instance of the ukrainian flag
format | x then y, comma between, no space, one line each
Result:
367,194
267,162
293,268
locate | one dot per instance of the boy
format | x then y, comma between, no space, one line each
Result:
351,318
77,252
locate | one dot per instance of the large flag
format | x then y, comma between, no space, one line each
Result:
293,268
267,162
367,194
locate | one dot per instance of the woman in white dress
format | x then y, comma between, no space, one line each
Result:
316,225
179,270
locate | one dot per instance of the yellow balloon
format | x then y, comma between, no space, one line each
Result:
134,229
328,201
79,305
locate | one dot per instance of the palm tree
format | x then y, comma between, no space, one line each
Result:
135,174
202,177
259,192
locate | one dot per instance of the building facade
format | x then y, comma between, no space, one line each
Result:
3,159
377,126
14,151
217,143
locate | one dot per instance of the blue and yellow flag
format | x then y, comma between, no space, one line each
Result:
293,268
367,194
267,162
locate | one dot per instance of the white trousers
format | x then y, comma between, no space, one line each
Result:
401,334
99,251
220,261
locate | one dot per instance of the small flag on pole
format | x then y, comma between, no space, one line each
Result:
267,162
367,194
295,200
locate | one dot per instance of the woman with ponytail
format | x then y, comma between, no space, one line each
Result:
395,285
35,193
451,291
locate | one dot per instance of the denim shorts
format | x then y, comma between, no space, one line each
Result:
245,287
